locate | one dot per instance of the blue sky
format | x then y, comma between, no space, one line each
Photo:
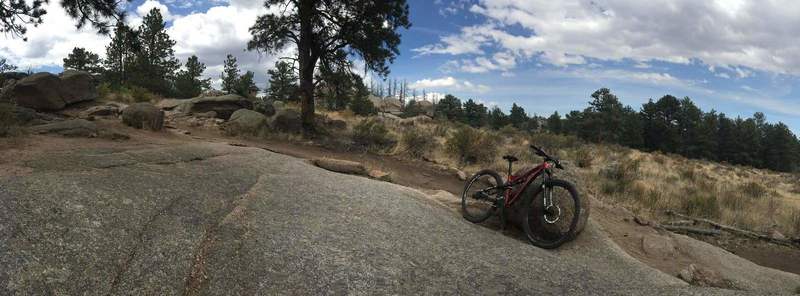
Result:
734,56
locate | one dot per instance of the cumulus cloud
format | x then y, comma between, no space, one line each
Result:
209,34
742,34
449,84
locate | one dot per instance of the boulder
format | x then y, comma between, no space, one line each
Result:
341,166
245,122
40,91
77,86
265,107
143,115
68,128
699,276
210,114
224,105
287,120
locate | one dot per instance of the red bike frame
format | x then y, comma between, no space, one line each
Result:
527,178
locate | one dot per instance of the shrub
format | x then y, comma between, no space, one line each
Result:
418,142
753,190
373,134
795,222
362,106
624,171
469,145
104,90
584,157
8,119
141,94
700,204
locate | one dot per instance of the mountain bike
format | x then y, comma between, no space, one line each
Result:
549,207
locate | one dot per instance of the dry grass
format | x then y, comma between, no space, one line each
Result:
647,183
417,142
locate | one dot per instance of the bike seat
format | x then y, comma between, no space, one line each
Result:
510,158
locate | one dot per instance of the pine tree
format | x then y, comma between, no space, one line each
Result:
121,55
83,60
497,118
361,104
155,61
554,123
475,114
282,82
230,74
246,86
322,30
188,83
449,108
517,117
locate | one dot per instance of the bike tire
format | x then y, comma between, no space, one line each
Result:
533,217
479,215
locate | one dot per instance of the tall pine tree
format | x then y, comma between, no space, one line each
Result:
282,82
155,63
230,75
83,60
188,83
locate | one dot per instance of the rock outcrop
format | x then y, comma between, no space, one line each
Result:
143,115
40,91
77,86
48,92
224,105
68,128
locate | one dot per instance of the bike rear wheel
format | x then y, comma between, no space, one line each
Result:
550,224
479,198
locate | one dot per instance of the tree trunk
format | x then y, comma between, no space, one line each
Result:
307,63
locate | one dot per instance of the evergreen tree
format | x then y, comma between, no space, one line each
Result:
449,108
83,60
517,117
15,15
361,104
475,114
282,82
121,55
497,118
155,63
246,86
188,83
230,75
554,123
336,89
604,117
322,30
412,109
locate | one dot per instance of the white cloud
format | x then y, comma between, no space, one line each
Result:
757,35
210,35
451,84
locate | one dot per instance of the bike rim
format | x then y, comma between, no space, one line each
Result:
552,222
479,207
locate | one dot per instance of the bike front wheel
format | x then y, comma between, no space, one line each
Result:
478,201
550,215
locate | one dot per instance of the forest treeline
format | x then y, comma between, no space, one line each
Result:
669,125
142,60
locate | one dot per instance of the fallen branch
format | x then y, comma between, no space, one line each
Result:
693,230
747,233
679,223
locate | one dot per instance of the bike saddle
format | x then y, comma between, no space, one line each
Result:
510,158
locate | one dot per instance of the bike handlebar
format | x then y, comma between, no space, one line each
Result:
547,157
